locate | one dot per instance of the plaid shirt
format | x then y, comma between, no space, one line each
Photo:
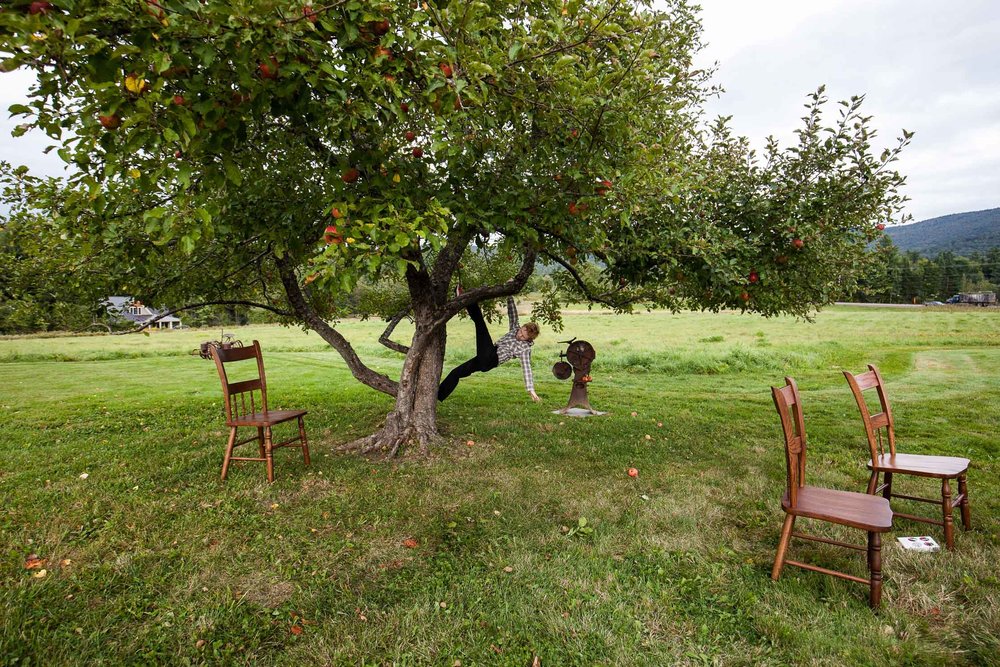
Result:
510,347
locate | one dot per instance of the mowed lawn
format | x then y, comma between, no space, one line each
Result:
150,558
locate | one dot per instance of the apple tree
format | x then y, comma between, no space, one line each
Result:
280,152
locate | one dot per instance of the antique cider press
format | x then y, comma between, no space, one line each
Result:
578,356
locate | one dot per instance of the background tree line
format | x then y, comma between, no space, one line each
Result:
909,277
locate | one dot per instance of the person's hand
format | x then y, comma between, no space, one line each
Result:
535,397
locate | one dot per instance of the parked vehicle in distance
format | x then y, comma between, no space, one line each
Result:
974,299
933,303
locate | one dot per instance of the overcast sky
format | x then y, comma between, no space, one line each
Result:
929,66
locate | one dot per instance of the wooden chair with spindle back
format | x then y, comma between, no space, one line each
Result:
856,510
244,411
945,468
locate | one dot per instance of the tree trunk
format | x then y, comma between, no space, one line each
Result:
413,421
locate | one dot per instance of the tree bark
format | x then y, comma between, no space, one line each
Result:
413,420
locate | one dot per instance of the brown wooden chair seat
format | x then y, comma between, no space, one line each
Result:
884,463
921,465
846,508
242,411
267,418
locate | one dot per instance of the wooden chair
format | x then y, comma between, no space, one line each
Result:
945,468
241,415
857,510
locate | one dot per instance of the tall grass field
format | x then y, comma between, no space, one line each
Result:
522,536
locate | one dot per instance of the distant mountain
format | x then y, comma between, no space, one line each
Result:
960,233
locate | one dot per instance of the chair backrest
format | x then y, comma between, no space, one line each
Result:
239,396
789,405
874,424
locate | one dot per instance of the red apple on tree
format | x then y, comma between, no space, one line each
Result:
110,122
269,70
798,243
337,213
754,278
404,107
418,152
446,70
179,100
380,27
310,13
745,295
410,135
880,226
350,175
39,7
331,235
155,9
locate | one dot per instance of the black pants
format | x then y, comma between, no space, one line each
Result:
485,359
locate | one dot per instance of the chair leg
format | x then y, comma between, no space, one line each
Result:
304,439
268,454
875,569
260,441
873,483
786,536
947,510
964,490
887,491
229,451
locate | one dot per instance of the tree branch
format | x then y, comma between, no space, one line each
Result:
596,298
384,338
508,288
449,257
359,370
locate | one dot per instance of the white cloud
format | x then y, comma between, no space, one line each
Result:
28,149
923,65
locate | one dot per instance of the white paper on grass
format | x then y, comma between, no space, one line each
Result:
924,543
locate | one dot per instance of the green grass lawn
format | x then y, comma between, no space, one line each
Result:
151,559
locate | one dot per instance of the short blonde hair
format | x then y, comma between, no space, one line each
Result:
532,330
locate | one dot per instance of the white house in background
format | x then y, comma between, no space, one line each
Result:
134,311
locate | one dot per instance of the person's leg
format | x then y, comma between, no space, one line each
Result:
484,342
457,373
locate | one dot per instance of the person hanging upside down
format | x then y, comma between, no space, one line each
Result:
516,343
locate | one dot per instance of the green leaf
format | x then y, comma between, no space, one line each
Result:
233,172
